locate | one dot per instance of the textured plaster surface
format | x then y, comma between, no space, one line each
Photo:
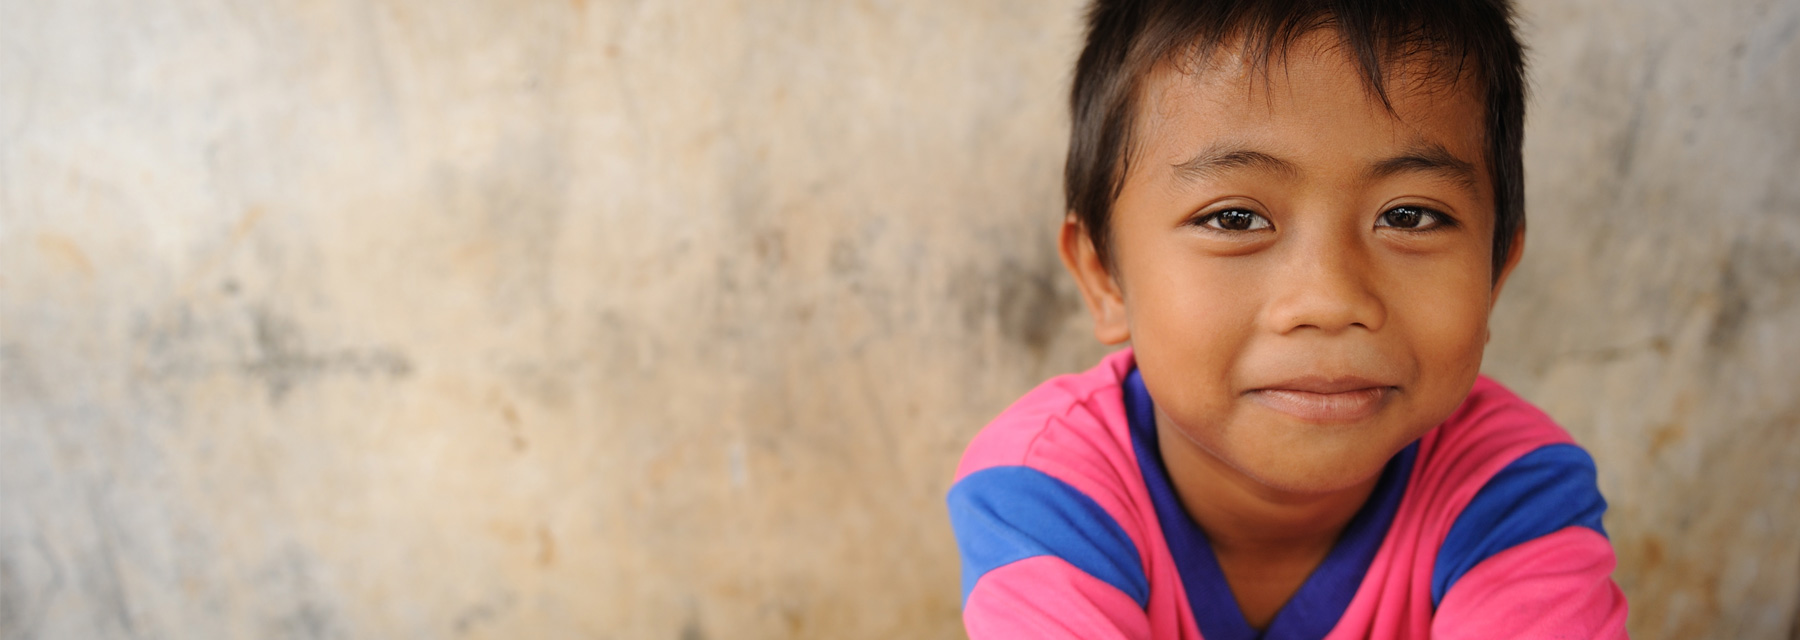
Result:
1656,312
670,319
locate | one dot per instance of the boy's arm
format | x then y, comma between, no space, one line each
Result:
1556,586
1528,557
1041,559
1046,597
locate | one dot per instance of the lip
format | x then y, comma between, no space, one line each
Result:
1323,399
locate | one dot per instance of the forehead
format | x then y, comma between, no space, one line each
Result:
1310,103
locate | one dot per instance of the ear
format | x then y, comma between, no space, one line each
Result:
1105,300
1512,260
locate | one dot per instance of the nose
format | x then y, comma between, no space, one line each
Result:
1325,285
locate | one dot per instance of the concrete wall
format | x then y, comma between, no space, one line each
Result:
670,319
1656,311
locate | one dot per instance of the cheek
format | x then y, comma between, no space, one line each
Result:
1190,315
1191,318
1446,326
1449,329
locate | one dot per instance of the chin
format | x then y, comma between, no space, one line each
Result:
1318,472
1320,484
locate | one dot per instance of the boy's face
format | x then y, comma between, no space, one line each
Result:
1304,275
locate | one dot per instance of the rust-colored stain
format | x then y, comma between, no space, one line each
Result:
246,223
476,255
66,253
1666,435
512,423
506,531
546,547
241,229
1653,553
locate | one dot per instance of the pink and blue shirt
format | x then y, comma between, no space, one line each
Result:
1486,527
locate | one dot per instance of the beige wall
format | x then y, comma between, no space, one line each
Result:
670,319
1656,311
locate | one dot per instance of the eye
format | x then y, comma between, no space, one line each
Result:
1412,218
1235,220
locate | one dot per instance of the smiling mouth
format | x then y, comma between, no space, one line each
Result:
1318,400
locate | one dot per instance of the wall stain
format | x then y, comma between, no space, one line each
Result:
66,253
482,613
20,380
691,630
1626,153
1794,626
271,350
1734,309
770,248
240,230
546,547
511,416
1656,345
288,573
1665,435
1765,43
246,223
104,581
30,579
1653,553
1030,308
1023,300
1755,278
282,359
306,621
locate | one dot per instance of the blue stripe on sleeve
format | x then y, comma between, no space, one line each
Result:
1540,493
1006,514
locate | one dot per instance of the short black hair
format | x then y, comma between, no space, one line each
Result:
1471,39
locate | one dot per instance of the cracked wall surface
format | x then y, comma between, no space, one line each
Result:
670,319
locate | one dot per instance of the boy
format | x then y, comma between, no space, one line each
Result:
1299,214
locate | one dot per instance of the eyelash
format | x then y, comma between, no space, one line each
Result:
1213,220
1437,220
1440,219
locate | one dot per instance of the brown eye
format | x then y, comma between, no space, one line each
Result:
1235,220
1411,218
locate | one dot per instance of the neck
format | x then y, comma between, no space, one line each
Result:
1267,540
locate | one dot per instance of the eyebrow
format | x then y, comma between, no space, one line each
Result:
1422,157
1431,158
1219,158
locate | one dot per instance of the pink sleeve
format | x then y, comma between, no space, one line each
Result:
1046,597
1556,586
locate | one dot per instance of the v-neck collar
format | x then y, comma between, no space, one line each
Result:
1316,607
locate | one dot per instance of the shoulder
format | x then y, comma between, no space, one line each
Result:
1492,428
1055,475
1072,423
1493,419
1504,474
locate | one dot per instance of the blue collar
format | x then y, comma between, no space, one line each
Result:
1316,607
